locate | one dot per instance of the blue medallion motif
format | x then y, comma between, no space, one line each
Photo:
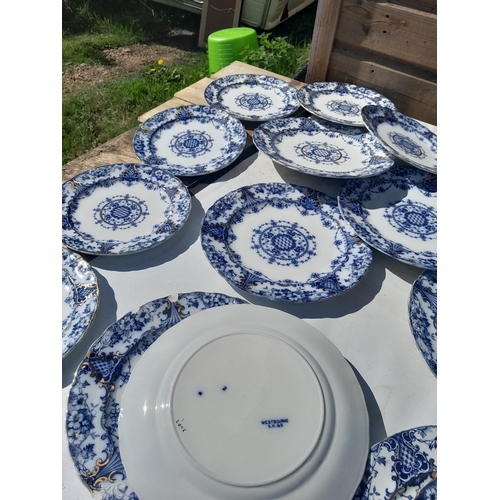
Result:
407,145
121,212
413,219
283,243
322,153
191,144
253,101
344,108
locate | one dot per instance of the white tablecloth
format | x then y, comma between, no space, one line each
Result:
368,324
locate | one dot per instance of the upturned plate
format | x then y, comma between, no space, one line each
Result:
283,242
402,136
402,466
339,102
315,147
122,208
190,140
422,309
243,402
96,392
252,97
80,299
396,213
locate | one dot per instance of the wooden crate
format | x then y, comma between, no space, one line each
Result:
387,47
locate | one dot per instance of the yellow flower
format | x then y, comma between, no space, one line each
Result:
160,61
152,70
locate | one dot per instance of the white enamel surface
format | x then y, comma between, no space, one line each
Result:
427,157
322,389
310,225
229,96
377,209
322,102
247,392
154,208
212,142
68,300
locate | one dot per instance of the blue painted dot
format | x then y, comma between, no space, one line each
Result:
224,388
200,393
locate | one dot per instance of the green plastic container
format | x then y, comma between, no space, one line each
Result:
224,46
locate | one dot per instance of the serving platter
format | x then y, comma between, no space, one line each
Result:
252,97
238,403
339,102
396,213
80,299
318,147
402,136
422,309
122,208
283,242
402,466
190,140
96,392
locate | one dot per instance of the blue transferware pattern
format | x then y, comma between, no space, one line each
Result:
79,301
190,140
402,136
395,212
422,307
95,395
402,466
122,208
339,102
325,149
252,97
283,242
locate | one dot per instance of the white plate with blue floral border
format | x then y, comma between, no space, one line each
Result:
190,140
339,102
396,213
122,208
252,97
80,299
402,467
283,242
96,392
322,148
422,309
402,136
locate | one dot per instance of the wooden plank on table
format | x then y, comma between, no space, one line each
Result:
117,150
325,28
392,30
218,15
172,103
412,95
429,6
195,92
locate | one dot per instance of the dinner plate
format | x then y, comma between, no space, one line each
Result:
402,136
339,102
422,307
190,140
402,466
313,147
283,242
80,299
396,213
95,394
243,402
252,97
122,208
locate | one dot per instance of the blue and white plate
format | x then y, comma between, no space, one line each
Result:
283,242
422,308
122,208
96,392
190,140
339,102
402,136
315,147
402,466
396,213
80,299
252,97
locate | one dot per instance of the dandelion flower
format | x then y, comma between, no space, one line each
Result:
152,70
160,62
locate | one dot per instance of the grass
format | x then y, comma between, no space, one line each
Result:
92,117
